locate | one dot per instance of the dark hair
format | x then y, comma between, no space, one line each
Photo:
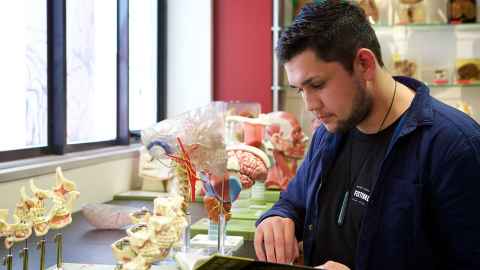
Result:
334,30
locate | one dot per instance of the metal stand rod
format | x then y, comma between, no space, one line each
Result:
221,223
24,255
41,247
186,232
277,79
221,234
8,260
59,243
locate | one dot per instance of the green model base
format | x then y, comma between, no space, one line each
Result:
272,196
253,212
246,214
238,227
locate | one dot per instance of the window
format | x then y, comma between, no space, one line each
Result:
67,83
143,63
23,95
91,71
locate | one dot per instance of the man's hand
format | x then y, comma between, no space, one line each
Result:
275,240
331,265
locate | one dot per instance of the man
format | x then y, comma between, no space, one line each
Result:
392,175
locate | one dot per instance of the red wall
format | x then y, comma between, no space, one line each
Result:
242,43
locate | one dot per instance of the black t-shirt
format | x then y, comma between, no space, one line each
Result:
355,169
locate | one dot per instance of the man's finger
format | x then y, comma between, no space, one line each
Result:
331,265
279,238
290,241
269,244
258,244
296,249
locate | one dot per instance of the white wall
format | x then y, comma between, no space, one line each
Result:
97,183
189,60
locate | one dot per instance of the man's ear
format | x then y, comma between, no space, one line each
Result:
365,64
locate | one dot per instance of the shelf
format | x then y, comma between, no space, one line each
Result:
431,27
453,85
447,85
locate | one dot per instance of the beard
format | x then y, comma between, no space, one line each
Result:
361,108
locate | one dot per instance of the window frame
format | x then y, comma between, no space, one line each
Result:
57,87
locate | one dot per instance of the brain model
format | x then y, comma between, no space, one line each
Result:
246,164
249,162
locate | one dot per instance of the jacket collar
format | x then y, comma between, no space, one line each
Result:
420,112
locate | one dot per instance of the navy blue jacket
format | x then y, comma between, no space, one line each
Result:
424,211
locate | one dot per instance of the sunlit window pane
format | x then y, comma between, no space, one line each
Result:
143,63
23,68
91,70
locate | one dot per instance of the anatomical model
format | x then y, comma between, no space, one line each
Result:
287,143
64,192
411,11
38,211
30,215
30,212
152,236
246,164
370,9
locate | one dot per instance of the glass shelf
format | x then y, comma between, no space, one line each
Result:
454,85
432,86
431,26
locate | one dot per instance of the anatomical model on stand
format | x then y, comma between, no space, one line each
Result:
287,146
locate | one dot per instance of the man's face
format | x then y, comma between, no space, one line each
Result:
336,97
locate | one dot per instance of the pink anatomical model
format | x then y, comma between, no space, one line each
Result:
288,142
252,162
245,165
